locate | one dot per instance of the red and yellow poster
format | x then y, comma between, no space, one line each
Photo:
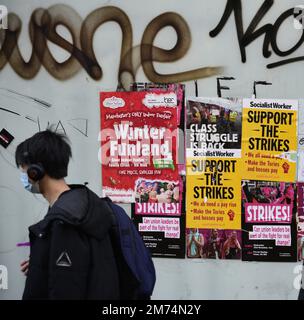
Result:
139,139
269,143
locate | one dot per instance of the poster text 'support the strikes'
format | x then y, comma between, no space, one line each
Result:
269,144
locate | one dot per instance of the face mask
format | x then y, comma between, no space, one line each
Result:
33,188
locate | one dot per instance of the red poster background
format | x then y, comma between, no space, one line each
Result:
119,182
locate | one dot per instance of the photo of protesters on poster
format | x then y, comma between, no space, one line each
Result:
214,244
217,118
195,243
157,192
157,197
269,221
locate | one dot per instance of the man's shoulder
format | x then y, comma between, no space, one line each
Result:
71,205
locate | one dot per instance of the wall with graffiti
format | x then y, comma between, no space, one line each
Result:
55,58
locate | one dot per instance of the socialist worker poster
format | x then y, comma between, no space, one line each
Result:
163,232
269,143
139,140
269,225
213,148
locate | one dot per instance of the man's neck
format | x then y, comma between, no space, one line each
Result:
53,189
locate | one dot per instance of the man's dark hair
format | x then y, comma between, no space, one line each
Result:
48,148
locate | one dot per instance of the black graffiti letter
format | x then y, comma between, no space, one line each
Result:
251,34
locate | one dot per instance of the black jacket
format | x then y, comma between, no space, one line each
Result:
71,253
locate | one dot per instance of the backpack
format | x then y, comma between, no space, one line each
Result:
135,266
